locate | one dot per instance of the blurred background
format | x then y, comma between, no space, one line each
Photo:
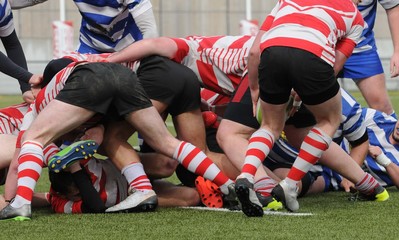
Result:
40,26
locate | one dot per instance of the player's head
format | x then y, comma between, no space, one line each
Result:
52,68
62,183
395,133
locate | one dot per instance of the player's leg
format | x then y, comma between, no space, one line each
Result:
371,80
181,94
43,130
7,143
315,143
150,125
171,195
376,96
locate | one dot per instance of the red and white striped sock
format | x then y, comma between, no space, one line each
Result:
313,146
367,184
49,151
136,177
265,186
194,160
259,147
30,167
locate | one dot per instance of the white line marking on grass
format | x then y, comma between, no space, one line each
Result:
265,212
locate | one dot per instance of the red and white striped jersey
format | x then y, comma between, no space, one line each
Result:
218,62
214,99
11,118
318,26
106,179
49,92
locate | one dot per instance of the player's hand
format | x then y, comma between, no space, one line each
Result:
347,185
296,104
28,97
374,151
95,133
395,64
35,80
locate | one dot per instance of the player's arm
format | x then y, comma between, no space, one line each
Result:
393,172
8,67
359,151
92,202
345,45
393,20
253,64
340,59
18,4
392,169
161,46
144,18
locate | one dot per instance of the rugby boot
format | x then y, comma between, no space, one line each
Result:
269,203
286,195
379,194
250,204
230,201
209,193
137,201
17,214
74,152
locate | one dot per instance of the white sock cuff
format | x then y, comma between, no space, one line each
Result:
324,136
262,132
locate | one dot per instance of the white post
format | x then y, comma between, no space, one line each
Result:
248,8
62,10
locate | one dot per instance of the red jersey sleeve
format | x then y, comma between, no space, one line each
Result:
348,43
182,49
62,205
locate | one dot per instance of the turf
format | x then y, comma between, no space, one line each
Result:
333,217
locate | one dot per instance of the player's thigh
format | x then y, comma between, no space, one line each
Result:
56,119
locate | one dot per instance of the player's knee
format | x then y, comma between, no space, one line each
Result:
191,197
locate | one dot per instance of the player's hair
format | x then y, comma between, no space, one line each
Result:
61,182
52,68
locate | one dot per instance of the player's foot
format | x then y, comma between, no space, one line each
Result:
287,195
74,152
380,194
249,201
137,201
269,203
209,193
230,201
18,214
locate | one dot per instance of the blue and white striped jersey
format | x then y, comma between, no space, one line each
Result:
351,127
379,128
368,9
6,21
109,25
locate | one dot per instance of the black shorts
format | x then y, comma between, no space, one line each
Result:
239,108
103,87
171,83
284,68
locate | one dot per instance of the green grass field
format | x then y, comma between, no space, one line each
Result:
333,217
